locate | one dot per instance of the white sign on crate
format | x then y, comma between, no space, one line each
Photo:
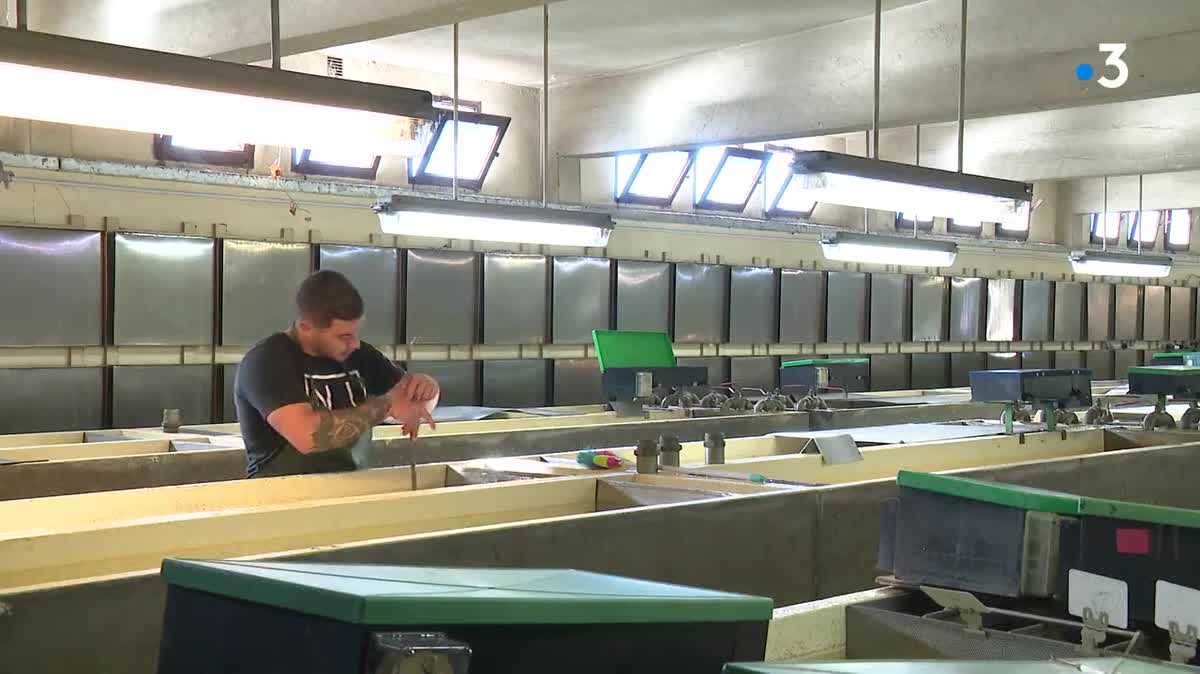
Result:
1176,604
1101,594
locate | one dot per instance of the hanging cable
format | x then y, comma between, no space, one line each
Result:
875,113
454,179
545,105
962,82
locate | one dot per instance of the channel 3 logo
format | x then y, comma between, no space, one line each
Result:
1115,50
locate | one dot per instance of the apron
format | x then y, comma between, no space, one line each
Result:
289,461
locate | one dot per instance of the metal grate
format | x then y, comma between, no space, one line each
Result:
334,66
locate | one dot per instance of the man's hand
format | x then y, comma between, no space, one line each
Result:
411,414
419,387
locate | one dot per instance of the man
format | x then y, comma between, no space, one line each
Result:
307,398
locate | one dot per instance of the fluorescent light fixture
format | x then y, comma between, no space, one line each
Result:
860,182
59,79
479,137
1106,263
733,181
894,250
656,178
445,219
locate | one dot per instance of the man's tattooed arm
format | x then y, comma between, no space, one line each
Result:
340,428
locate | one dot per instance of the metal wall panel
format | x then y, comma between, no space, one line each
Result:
930,370
755,372
515,295
930,300
375,272
718,368
1037,307
140,393
1100,363
1123,360
1069,311
1004,361
258,290
1003,315
701,303
441,301
891,310
458,379
1128,313
802,306
753,305
52,399
228,379
582,298
1154,313
1101,298
1037,360
516,383
846,312
51,279
1069,360
967,309
963,364
644,296
577,382
162,290
1183,309
890,372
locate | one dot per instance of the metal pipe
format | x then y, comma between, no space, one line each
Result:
545,105
714,448
22,15
454,178
875,115
1104,219
276,57
962,82
918,151
1140,224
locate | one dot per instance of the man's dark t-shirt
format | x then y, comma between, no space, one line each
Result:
277,372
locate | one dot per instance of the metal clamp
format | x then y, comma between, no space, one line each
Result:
1183,642
6,177
1095,630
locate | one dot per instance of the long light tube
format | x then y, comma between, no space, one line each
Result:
1104,263
58,79
859,182
444,219
883,250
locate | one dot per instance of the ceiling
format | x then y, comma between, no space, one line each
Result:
596,38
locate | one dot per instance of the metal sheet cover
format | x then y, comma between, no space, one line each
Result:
930,300
515,383
753,305
459,379
51,399
802,306
930,370
643,296
441,297
701,303
1002,311
51,279
515,296
1100,311
1183,309
142,392
375,272
967,309
847,312
755,372
1037,308
890,308
258,291
577,382
1129,312
1069,311
582,298
162,290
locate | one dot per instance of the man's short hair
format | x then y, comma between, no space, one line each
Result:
327,296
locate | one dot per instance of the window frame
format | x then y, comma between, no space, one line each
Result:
304,166
1176,248
447,103
774,211
624,197
919,225
973,232
1133,231
1102,239
417,170
702,201
165,151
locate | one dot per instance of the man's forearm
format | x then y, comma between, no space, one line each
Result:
339,428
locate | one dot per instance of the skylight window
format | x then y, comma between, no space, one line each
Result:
785,196
204,150
479,138
656,178
1111,228
733,179
1144,227
910,220
335,163
1179,229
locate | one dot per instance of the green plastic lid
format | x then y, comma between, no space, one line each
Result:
1179,354
822,362
629,348
1171,370
368,594
1062,666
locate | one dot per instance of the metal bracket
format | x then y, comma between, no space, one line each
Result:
1095,631
968,607
1183,642
6,177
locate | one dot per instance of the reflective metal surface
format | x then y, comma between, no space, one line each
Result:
801,306
51,279
140,393
718,368
846,311
1003,361
1100,298
228,378
1154,313
515,295
930,302
1069,311
582,298
258,292
1183,309
162,289
701,302
962,364
459,379
515,383
1100,363
891,310
51,399
1069,359
755,371
441,303
1123,360
967,309
1037,360
375,272
1002,310
890,372
577,382
753,305
930,370
644,296
1037,303
1128,323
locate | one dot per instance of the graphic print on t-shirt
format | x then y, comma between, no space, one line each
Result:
335,391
